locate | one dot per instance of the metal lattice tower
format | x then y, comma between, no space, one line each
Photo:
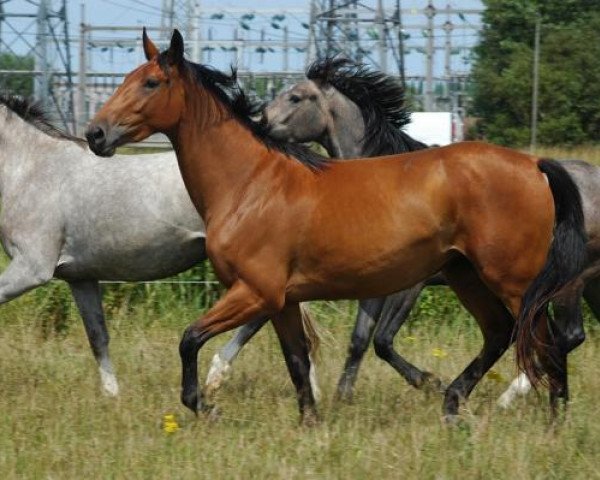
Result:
356,29
38,30
178,14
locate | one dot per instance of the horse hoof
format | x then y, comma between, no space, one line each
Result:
212,413
310,419
192,401
453,420
344,396
432,384
110,387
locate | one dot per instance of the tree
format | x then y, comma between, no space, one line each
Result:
569,100
22,83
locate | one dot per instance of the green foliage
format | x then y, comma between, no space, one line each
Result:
21,84
569,90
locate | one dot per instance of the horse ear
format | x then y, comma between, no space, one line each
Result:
175,52
150,49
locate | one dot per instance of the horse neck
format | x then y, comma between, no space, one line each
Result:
345,135
217,155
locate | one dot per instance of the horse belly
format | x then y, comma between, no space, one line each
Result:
131,262
374,271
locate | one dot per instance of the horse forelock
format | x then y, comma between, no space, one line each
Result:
379,97
227,90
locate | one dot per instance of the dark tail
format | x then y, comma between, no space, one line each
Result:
565,262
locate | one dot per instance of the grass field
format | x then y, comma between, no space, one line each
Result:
56,424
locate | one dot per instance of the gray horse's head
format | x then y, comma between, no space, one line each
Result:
345,106
300,114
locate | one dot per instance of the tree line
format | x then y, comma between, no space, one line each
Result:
569,71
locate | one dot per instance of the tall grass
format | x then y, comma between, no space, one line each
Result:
56,424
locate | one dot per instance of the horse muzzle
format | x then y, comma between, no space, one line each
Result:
102,140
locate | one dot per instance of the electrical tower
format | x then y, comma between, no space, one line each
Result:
359,30
34,35
374,31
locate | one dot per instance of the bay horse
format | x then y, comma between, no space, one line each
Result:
69,215
506,228
354,111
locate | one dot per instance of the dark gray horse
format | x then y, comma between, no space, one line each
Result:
70,215
352,112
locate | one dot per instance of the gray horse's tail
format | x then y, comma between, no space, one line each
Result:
564,263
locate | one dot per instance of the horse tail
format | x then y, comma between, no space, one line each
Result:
314,341
565,261
310,330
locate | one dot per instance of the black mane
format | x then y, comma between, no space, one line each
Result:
380,99
228,91
34,114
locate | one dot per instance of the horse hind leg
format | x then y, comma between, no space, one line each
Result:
88,299
395,313
368,312
568,317
220,365
496,324
553,362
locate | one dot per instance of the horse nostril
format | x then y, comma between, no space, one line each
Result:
97,133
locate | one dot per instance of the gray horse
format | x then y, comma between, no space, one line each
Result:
70,215
353,112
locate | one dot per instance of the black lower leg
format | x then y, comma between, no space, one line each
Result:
369,311
288,325
395,312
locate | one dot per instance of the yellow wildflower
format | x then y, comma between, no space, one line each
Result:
439,353
170,425
495,376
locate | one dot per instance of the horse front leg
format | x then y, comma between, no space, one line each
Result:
88,299
238,306
289,327
23,274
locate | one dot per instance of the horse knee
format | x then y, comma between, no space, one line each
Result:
383,346
358,346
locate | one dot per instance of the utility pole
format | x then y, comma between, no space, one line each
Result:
534,93
286,53
197,49
381,33
42,84
400,44
430,12
81,93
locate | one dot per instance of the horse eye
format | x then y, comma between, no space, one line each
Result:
151,83
295,99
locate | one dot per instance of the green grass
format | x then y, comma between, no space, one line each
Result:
56,424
